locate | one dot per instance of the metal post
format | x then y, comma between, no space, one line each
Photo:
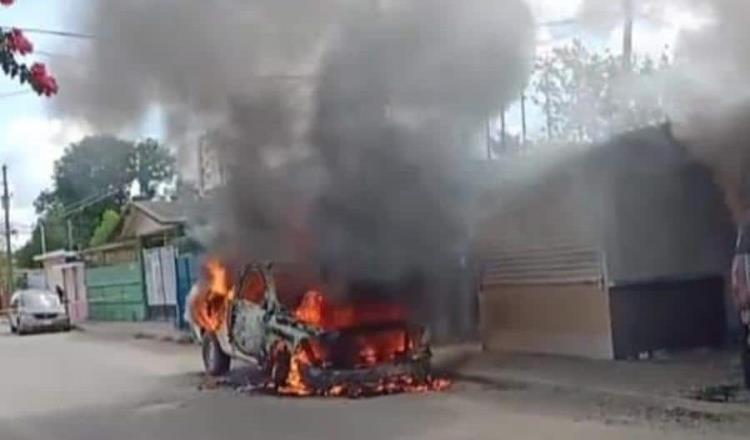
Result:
523,118
503,136
547,106
69,225
8,250
627,35
488,139
43,237
201,167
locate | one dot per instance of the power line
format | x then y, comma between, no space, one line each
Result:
16,93
55,54
88,201
56,33
556,23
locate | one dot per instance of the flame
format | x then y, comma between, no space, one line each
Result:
368,349
296,385
209,306
358,350
315,309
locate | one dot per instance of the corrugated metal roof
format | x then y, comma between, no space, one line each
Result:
162,211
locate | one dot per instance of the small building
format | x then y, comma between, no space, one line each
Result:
51,262
605,251
63,269
154,223
134,277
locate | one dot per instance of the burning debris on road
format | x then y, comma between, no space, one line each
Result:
305,343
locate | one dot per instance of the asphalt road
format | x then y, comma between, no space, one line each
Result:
81,387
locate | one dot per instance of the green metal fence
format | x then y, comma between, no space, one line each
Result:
115,293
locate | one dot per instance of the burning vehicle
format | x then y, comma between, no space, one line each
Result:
278,317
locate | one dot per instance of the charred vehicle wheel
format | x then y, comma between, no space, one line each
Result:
279,365
215,361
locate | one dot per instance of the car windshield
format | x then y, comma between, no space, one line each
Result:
41,301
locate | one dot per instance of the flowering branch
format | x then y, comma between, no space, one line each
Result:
13,43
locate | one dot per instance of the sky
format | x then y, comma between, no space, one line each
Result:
32,137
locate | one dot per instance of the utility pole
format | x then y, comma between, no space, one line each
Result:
523,118
627,35
201,166
69,225
547,107
503,143
8,251
43,237
488,138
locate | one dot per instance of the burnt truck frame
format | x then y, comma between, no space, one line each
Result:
266,333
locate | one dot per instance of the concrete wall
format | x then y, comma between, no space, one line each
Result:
568,319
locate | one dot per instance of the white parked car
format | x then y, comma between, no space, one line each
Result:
36,310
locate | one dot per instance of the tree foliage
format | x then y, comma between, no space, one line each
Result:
55,232
107,227
92,177
586,96
150,165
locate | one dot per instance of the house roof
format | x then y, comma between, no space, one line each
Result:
161,211
61,253
144,218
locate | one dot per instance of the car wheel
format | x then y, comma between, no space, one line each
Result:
215,361
422,371
280,362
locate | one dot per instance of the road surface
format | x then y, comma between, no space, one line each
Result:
77,386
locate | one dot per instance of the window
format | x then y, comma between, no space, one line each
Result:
253,287
43,301
292,282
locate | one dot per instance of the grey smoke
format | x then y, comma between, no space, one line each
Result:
360,165
706,91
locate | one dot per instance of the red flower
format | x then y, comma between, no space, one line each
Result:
17,42
42,82
6,2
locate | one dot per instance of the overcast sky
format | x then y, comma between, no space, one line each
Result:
32,138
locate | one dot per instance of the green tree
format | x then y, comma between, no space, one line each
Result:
586,96
150,165
107,226
55,234
95,175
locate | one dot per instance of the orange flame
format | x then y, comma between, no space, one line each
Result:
369,348
315,309
209,306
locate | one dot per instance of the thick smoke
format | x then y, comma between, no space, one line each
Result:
344,126
706,91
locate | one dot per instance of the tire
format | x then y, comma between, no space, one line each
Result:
279,365
215,361
12,327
